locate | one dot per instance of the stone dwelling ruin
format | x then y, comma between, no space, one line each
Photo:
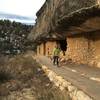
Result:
74,25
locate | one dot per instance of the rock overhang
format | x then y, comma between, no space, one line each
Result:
61,25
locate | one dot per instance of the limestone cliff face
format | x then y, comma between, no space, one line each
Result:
54,10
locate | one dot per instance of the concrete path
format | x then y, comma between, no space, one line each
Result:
82,76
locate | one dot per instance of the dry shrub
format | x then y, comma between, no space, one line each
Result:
19,67
22,67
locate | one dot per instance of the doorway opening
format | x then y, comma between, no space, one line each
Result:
63,45
44,48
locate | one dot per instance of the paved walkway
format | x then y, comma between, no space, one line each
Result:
82,76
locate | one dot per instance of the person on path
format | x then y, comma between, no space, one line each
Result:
56,54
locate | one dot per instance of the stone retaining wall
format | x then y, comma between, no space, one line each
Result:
74,92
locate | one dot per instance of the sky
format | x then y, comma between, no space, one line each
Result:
23,8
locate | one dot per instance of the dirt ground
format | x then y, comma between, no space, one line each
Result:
21,78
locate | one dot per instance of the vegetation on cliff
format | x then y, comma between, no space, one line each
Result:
13,37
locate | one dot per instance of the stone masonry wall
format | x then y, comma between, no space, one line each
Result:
84,49
46,48
49,47
94,51
37,50
40,49
97,52
77,49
